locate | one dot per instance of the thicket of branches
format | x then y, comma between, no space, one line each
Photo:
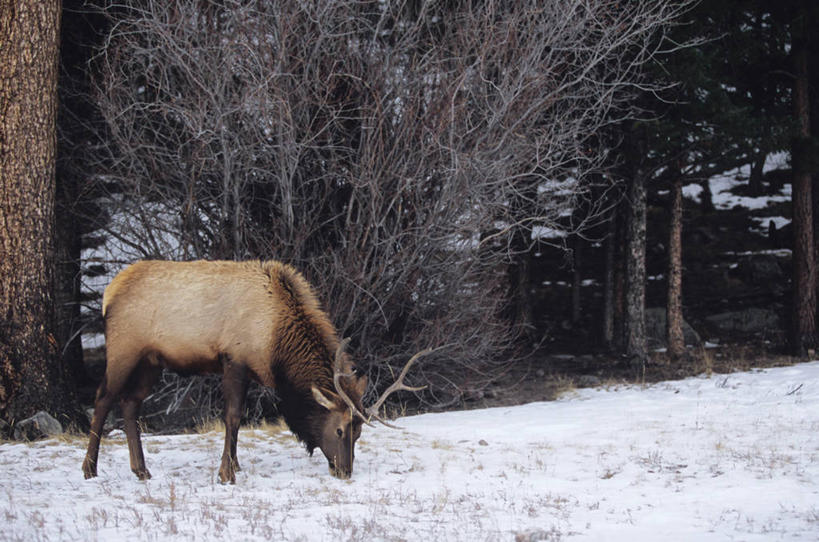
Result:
399,153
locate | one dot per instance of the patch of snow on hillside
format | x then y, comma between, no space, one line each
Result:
722,184
763,222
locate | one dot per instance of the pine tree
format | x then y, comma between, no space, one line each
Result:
32,377
803,332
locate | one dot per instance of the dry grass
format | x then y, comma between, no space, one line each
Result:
275,428
562,385
217,425
211,425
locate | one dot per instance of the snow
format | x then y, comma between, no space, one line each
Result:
708,458
763,222
722,185
546,232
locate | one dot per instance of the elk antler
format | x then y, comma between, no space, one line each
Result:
337,374
372,411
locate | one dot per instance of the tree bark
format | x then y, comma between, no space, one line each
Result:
32,376
803,326
608,282
674,320
813,97
635,321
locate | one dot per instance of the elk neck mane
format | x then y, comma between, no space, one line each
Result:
304,346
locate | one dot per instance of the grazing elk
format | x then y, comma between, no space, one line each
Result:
258,320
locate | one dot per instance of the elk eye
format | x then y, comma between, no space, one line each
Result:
339,432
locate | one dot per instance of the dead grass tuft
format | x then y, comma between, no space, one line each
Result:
212,425
562,385
275,428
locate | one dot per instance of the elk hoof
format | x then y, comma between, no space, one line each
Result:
340,474
142,474
89,469
228,477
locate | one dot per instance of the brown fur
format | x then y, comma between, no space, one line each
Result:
251,319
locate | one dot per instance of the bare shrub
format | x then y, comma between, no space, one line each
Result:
390,150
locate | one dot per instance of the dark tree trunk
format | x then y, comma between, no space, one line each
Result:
67,281
32,375
674,320
803,326
755,180
608,282
519,272
635,295
577,278
706,198
614,282
81,33
620,280
813,74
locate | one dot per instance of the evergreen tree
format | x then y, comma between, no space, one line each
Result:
31,375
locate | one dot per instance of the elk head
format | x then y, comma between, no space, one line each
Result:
341,424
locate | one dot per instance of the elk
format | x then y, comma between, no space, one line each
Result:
255,320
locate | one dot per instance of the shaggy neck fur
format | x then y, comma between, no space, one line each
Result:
301,413
303,354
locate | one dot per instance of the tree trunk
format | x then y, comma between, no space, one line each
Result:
674,321
577,278
635,321
32,376
757,174
519,273
803,327
813,74
609,282
614,282
706,197
67,281
80,37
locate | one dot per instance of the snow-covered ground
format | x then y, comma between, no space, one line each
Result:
726,457
723,184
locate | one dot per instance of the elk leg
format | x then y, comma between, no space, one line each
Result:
130,411
234,388
102,406
138,387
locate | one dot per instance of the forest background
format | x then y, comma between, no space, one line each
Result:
528,184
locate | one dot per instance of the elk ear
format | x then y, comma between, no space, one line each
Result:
361,385
322,399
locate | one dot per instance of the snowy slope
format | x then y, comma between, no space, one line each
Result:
731,457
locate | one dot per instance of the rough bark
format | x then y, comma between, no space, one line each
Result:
674,322
635,321
813,74
32,378
803,327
